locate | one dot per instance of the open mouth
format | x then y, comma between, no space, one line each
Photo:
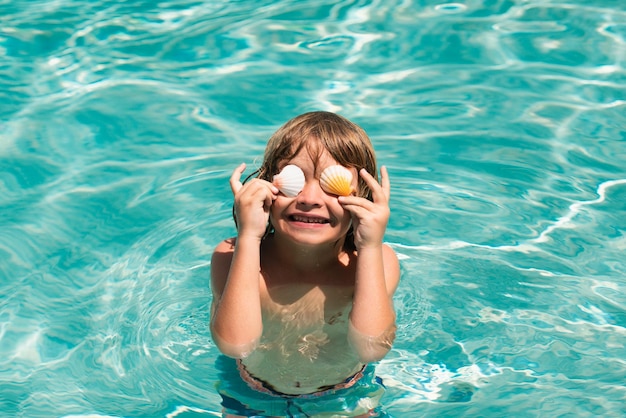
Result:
308,219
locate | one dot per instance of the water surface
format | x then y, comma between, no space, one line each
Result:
503,127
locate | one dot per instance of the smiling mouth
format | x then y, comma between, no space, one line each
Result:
308,219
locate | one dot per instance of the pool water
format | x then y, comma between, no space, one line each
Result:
502,123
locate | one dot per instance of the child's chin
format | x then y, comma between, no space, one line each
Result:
310,236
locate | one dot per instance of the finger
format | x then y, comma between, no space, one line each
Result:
269,199
274,190
361,201
354,203
263,190
357,210
378,194
235,178
384,180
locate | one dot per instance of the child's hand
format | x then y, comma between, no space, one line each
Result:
369,219
253,201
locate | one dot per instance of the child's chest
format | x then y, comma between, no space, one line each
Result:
304,305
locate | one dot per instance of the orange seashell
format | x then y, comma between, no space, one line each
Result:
337,180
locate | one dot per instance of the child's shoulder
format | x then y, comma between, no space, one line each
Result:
226,246
222,257
389,253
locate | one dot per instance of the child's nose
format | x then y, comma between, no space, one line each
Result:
311,194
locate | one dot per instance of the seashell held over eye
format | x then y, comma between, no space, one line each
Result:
290,180
337,180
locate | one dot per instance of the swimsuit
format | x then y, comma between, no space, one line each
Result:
264,387
245,395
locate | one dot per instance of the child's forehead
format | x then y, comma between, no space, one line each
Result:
310,157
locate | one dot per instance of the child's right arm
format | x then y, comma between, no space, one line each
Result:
236,323
235,310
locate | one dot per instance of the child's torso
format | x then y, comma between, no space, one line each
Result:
304,346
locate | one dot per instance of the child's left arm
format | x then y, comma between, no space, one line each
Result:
372,319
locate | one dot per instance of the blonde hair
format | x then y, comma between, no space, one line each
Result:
319,132
346,142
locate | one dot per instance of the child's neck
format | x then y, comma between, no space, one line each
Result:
307,258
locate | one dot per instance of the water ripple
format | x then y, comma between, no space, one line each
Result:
502,124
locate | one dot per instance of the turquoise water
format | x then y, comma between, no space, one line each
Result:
503,124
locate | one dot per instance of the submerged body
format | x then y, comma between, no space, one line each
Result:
305,346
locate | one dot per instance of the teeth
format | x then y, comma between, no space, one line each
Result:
309,220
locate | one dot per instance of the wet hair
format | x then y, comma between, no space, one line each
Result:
319,132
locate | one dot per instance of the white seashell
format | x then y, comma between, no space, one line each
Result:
337,180
290,180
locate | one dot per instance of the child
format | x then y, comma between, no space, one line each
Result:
302,297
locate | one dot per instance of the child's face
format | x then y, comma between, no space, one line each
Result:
313,217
